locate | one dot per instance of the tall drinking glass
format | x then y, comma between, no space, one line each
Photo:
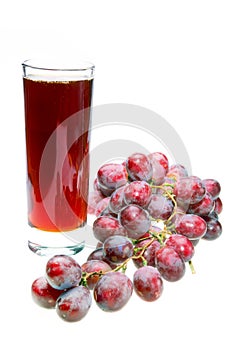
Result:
57,100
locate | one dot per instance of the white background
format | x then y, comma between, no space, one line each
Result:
173,57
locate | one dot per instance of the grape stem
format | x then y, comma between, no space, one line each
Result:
192,267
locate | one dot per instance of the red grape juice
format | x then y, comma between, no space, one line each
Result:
57,121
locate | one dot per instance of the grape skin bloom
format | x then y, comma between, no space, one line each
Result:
191,226
74,304
135,220
118,248
105,226
148,283
63,272
113,291
170,264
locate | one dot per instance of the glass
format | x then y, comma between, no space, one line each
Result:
57,100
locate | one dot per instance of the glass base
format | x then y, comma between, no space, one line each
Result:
46,243
52,250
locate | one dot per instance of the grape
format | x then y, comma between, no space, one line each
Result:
105,226
214,229
204,207
160,207
96,254
91,266
169,263
43,294
135,220
177,171
113,291
118,248
213,187
191,226
139,167
111,176
102,205
218,206
117,201
149,253
182,245
74,304
161,159
93,199
158,171
148,283
138,192
63,272
189,190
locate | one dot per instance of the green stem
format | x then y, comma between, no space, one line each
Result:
192,267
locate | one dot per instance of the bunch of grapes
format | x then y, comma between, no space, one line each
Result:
147,212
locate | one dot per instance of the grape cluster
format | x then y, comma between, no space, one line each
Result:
146,212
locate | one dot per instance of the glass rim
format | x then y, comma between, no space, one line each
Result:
56,65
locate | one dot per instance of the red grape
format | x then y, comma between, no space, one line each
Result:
191,226
102,205
117,202
148,283
139,167
105,226
158,169
160,207
169,263
43,294
189,190
204,207
63,272
218,206
135,220
113,291
213,187
161,158
74,304
182,245
138,192
112,176
214,229
93,199
118,248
